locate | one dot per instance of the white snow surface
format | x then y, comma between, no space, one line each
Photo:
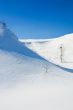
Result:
28,82
26,85
51,51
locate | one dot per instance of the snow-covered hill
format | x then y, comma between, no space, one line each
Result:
58,50
16,58
27,81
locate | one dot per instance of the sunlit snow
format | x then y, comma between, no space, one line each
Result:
28,81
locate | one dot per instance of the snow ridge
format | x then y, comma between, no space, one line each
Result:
9,42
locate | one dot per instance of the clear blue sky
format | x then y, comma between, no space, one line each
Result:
38,18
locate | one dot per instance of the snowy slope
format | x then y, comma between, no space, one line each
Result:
9,42
58,51
14,67
27,81
16,58
28,84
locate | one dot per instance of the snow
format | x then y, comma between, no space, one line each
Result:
51,51
25,84
27,81
9,42
55,94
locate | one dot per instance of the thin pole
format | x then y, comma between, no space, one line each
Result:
61,48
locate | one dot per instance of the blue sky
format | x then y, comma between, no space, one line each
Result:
38,18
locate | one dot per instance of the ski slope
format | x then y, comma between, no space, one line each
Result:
58,50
